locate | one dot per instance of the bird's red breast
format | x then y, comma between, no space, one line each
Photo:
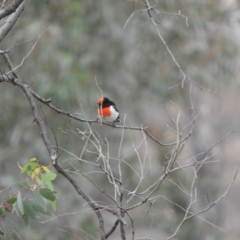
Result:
104,112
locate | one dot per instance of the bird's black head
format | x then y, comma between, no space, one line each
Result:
104,102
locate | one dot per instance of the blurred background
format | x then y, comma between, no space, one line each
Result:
82,47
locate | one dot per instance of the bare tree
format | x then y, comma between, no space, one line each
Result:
127,188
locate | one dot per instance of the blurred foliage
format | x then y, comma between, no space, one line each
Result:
77,46
27,198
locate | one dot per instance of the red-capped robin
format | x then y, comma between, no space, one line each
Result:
107,110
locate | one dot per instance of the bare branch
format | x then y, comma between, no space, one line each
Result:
52,153
220,198
112,229
73,116
189,214
11,20
25,57
85,196
10,9
26,89
122,230
191,202
183,209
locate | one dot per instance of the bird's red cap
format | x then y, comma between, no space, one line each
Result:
100,100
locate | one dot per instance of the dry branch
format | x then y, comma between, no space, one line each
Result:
11,20
52,153
10,9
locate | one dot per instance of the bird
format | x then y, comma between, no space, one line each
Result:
107,110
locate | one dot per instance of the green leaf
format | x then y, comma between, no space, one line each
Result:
25,218
48,183
47,193
12,200
50,176
47,179
28,209
30,166
19,203
54,205
38,208
37,199
1,211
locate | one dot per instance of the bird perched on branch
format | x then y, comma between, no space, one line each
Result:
107,110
